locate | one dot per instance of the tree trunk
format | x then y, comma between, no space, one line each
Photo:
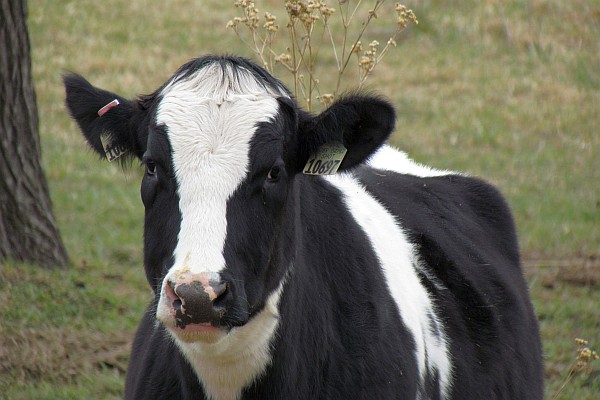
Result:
28,229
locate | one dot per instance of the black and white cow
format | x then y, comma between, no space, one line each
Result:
387,280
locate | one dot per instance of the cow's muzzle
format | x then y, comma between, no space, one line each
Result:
194,305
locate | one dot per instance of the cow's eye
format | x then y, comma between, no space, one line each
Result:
273,173
150,168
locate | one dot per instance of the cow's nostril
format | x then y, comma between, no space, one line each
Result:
221,290
177,304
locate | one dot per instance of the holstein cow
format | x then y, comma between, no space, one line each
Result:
274,280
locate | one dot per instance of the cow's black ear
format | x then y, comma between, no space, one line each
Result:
362,123
117,123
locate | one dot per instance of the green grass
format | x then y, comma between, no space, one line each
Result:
509,91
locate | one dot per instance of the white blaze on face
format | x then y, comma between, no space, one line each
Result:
211,118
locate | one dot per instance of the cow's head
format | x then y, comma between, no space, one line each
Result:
222,142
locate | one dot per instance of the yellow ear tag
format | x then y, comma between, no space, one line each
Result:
327,160
111,148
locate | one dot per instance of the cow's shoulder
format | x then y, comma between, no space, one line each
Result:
450,207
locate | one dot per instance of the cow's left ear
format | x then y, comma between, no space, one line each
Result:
361,123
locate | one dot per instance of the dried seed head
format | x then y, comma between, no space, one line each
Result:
293,8
365,62
283,57
271,26
356,48
585,354
327,11
405,15
325,99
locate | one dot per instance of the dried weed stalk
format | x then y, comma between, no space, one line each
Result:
582,363
309,26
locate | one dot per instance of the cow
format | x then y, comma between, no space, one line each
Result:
275,279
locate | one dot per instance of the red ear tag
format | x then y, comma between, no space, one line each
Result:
107,107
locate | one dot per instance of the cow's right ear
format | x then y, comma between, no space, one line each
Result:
99,118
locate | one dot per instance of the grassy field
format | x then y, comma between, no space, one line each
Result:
506,90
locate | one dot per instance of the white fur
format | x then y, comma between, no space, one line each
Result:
399,263
391,159
226,367
211,118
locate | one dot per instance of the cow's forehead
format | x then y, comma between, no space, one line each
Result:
215,108
211,118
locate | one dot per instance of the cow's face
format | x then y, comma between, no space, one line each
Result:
225,183
222,143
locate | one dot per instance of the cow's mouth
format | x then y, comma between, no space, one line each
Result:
204,332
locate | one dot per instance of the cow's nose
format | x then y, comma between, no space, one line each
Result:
197,298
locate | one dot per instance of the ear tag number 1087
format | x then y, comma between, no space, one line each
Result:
327,160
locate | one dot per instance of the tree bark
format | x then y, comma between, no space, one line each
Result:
28,230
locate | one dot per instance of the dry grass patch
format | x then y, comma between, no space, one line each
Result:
60,354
